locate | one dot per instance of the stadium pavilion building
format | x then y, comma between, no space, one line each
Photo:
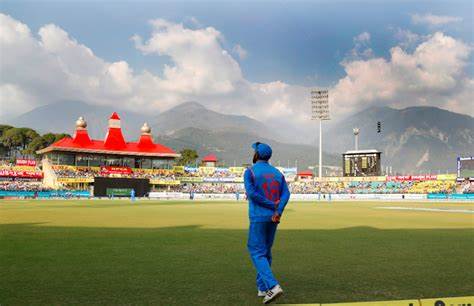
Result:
113,155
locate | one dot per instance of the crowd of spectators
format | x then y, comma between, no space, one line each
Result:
6,163
466,187
164,175
308,187
433,187
213,188
22,186
216,173
76,172
299,186
373,187
312,187
90,172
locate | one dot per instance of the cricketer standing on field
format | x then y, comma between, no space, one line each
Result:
268,194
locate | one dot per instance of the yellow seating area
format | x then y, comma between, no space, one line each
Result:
433,187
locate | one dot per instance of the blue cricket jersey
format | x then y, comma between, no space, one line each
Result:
265,185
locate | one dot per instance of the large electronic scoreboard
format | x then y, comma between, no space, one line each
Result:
361,163
466,168
120,187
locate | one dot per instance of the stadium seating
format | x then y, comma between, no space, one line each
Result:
213,188
433,187
230,180
20,178
22,186
465,187
365,187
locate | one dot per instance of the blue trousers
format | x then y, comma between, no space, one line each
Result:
259,244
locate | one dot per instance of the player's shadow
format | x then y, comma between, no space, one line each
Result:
45,265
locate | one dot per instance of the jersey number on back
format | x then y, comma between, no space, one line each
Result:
272,190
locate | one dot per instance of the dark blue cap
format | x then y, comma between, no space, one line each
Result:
264,151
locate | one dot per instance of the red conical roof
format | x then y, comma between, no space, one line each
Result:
115,116
81,137
114,138
145,142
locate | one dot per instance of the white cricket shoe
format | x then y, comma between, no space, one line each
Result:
261,293
272,294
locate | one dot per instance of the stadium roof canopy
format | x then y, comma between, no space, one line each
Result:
362,151
305,173
211,158
114,142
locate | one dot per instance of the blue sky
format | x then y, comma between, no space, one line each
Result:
298,42
148,56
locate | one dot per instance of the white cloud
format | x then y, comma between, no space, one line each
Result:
202,66
361,47
434,20
363,37
433,74
192,22
74,58
51,66
240,51
11,93
406,38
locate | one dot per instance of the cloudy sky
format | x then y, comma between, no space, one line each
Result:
258,59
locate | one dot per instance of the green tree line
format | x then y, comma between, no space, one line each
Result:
188,157
24,141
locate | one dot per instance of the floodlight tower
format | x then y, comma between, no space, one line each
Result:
356,132
320,111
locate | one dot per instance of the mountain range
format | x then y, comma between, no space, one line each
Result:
412,140
61,117
195,115
188,125
233,147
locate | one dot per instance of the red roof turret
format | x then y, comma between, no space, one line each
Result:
81,136
146,141
114,138
115,116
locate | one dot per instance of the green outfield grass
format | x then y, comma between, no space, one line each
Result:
194,253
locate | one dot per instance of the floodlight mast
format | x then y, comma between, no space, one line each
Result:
320,111
320,168
356,132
